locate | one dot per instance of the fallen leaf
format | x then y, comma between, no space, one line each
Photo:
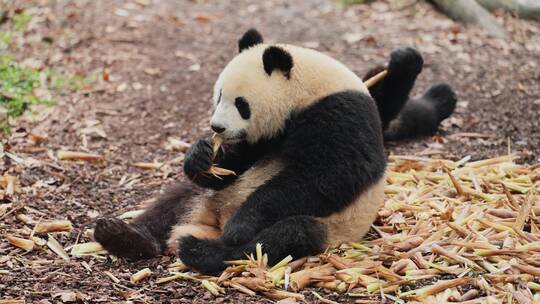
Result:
202,18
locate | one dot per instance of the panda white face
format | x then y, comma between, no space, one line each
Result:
231,117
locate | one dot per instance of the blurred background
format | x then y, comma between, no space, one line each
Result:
155,61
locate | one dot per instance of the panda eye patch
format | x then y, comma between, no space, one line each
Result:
243,107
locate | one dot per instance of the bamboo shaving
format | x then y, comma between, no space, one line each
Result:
214,170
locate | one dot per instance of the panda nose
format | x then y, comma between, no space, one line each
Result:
217,129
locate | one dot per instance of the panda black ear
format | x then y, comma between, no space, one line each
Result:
250,38
276,58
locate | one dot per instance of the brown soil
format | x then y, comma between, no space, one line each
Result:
185,44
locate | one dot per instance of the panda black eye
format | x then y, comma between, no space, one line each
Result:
243,107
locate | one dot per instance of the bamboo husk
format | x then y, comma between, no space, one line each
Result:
53,244
90,248
214,170
53,226
25,244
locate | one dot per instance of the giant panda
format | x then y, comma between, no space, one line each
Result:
305,138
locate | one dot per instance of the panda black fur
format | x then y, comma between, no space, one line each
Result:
304,136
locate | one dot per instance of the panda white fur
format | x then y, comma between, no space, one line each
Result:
305,138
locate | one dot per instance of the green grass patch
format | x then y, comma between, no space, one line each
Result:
20,21
17,86
22,87
62,83
5,40
17,89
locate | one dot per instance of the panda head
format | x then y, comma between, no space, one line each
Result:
261,87
252,98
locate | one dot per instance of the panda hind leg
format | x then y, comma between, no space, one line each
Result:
297,236
125,240
146,235
422,116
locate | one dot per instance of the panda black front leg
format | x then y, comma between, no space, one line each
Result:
393,91
198,158
297,236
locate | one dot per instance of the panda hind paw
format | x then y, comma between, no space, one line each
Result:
124,240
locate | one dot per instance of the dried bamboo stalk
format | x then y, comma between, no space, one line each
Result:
242,288
375,79
149,166
73,155
140,275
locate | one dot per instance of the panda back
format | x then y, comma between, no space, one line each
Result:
317,75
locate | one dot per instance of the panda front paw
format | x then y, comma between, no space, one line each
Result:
198,158
405,61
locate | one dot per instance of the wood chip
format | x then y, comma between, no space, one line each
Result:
112,277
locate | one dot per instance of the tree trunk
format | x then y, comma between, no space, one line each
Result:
470,12
527,9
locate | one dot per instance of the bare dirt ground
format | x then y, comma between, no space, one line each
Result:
162,57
